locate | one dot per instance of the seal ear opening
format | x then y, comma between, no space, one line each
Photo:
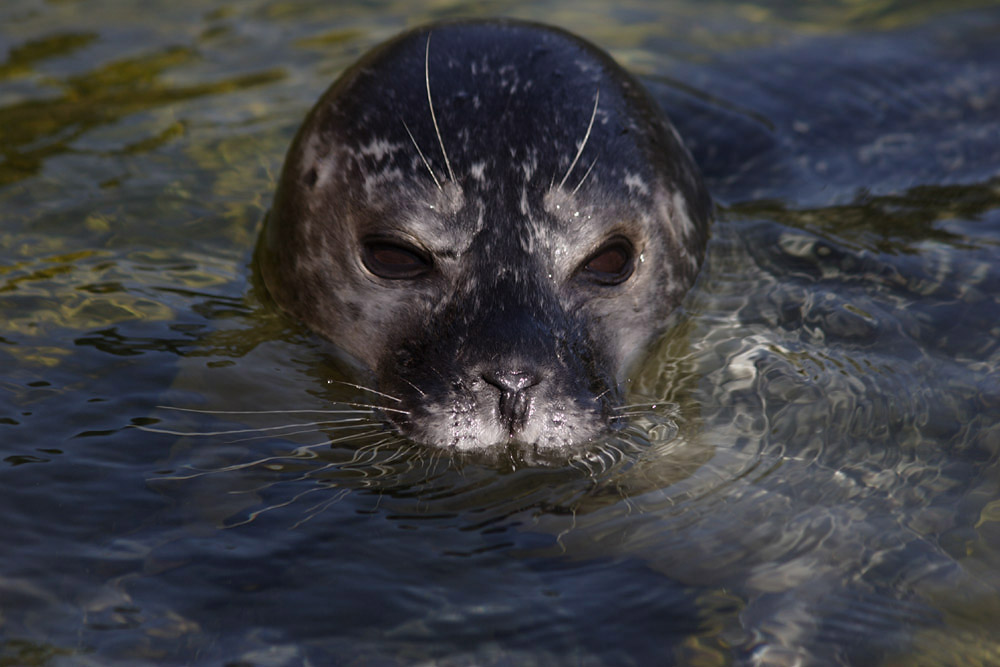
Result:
311,177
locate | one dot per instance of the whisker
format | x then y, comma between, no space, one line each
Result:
589,169
368,389
604,393
583,144
376,407
337,427
633,413
234,431
318,509
355,436
268,412
302,452
426,164
638,405
430,103
414,386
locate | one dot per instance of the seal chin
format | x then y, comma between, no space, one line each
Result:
492,217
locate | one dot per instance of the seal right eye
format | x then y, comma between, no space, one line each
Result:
394,261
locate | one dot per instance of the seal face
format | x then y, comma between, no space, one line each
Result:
494,218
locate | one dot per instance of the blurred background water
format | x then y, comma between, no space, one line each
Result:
825,486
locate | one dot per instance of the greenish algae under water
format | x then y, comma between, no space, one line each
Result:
822,486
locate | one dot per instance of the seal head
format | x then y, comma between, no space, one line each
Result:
494,218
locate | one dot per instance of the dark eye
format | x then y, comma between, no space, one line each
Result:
611,264
393,260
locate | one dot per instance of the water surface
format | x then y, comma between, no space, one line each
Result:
818,483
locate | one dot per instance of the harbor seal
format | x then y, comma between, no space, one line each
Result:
493,218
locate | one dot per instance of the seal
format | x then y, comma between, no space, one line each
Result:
494,219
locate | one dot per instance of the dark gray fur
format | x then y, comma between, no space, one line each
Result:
506,221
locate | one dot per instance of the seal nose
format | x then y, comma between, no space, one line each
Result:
514,400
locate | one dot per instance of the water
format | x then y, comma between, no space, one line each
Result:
819,483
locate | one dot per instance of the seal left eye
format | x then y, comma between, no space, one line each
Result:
394,261
611,264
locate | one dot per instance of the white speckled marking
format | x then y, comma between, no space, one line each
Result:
379,148
635,183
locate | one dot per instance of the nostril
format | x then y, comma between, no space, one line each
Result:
514,404
511,381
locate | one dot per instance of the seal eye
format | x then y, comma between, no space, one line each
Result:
611,264
394,261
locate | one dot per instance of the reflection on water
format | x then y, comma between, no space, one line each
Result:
811,469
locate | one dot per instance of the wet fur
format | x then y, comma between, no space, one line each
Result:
509,152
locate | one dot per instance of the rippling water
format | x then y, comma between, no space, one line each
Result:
818,481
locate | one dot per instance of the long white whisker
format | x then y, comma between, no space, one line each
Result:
640,405
270,412
352,436
302,452
430,103
336,427
418,390
377,407
368,389
231,431
583,144
589,169
315,510
604,393
426,164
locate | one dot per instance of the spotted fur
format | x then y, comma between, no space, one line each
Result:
509,153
